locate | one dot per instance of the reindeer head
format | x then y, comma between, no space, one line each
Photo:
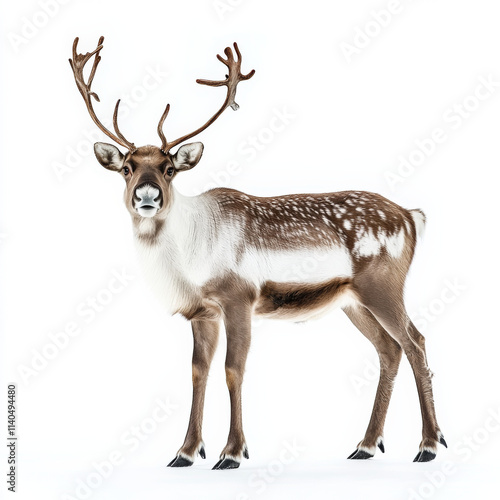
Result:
149,170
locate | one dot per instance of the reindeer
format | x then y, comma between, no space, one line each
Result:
225,255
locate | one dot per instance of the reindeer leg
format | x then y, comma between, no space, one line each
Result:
205,335
389,353
238,329
428,448
390,312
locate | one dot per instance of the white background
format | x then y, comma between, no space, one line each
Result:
63,236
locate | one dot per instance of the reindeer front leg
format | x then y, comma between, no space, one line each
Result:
205,335
237,320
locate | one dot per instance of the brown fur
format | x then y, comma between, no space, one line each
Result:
313,219
286,300
389,352
205,337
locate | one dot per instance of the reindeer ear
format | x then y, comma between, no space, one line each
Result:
109,156
187,156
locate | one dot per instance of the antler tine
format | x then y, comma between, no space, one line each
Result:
231,81
238,53
222,60
240,59
131,146
164,142
77,64
212,83
97,60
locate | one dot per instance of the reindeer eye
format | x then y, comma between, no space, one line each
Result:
126,170
170,171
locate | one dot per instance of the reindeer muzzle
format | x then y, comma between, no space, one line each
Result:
147,199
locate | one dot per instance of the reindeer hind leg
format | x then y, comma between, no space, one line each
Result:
389,310
389,353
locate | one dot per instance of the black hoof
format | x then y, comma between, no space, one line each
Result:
443,442
245,453
381,446
180,462
424,456
359,455
202,453
226,463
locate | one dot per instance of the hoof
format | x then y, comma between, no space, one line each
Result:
359,455
443,442
424,456
226,463
202,453
180,461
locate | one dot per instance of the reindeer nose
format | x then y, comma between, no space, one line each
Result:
148,195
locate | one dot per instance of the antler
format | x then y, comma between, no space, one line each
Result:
231,82
77,64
